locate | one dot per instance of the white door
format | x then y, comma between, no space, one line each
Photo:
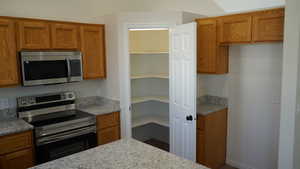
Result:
183,90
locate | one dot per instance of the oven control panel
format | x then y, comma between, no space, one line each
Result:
27,101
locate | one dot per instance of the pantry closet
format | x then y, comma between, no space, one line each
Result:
149,67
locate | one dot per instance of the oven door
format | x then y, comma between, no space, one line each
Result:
64,144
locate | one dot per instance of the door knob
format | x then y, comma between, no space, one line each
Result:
189,118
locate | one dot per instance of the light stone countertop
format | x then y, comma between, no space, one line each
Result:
206,108
122,154
97,105
13,125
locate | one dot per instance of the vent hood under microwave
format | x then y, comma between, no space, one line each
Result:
41,68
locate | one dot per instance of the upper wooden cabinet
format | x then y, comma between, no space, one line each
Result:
236,28
33,35
64,36
212,58
215,34
261,26
8,64
268,25
93,48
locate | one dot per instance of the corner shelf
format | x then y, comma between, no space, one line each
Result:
163,99
159,76
145,120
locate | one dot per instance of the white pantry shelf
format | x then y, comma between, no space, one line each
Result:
148,76
148,53
154,119
163,99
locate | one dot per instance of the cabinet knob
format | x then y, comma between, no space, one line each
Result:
189,118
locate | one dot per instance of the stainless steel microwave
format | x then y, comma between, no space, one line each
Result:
40,68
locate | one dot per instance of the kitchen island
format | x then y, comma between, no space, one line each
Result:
122,154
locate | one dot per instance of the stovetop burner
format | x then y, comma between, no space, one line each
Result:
74,115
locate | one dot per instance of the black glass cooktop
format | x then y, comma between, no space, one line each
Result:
54,119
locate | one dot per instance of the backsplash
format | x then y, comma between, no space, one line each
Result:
82,89
213,100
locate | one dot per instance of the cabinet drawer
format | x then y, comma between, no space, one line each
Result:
200,122
108,120
15,142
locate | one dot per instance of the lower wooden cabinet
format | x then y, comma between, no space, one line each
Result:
17,160
108,135
211,139
16,151
108,128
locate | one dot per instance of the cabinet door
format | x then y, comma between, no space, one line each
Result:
207,46
108,135
236,28
201,147
93,48
33,35
18,160
8,66
268,25
64,36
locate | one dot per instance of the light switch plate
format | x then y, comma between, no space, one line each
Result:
4,103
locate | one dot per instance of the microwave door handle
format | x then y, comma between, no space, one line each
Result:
68,69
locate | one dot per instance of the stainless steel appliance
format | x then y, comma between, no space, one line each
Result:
40,68
60,129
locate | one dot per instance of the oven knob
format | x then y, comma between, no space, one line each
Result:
70,95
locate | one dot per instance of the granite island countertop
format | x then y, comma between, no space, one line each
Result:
97,105
122,154
13,125
209,104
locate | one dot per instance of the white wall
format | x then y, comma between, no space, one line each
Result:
254,105
253,88
230,6
289,148
204,7
92,10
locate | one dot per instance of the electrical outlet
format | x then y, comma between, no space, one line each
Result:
4,104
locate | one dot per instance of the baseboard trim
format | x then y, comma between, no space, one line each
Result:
238,165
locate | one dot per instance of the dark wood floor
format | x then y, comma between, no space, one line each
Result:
228,167
158,144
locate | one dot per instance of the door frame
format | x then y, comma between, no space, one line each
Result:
124,71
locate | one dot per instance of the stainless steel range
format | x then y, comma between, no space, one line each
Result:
60,129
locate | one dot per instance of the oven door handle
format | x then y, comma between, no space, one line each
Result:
68,69
65,135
